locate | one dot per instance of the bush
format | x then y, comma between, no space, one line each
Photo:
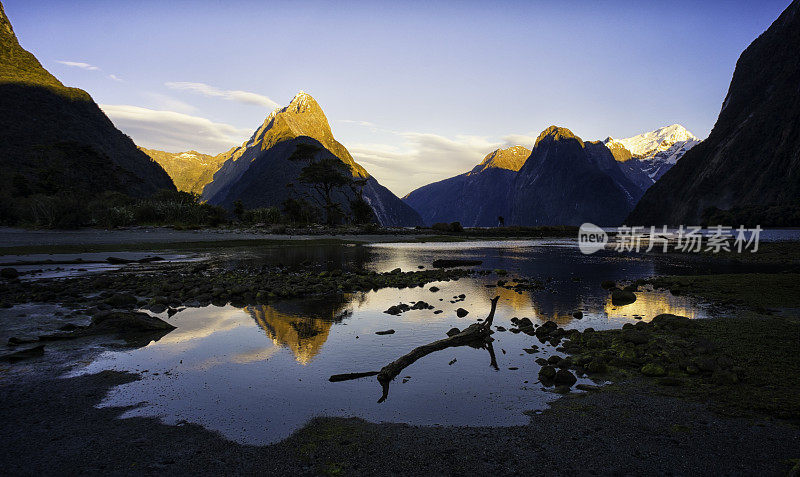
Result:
445,227
262,215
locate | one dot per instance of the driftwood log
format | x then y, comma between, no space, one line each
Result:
474,334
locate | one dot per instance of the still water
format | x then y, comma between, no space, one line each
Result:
258,373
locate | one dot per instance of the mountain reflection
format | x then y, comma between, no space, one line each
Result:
651,304
301,326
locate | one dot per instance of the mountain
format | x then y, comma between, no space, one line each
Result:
475,198
56,139
567,181
562,181
653,153
190,170
260,173
749,166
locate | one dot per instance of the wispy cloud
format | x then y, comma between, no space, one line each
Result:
422,158
115,78
207,90
172,131
79,64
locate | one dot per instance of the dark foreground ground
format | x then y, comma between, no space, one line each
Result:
49,425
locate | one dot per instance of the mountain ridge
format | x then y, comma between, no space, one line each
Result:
751,159
263,160
56,139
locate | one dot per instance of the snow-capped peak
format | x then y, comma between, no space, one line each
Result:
653,142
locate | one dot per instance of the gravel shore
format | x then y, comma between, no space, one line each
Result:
50,425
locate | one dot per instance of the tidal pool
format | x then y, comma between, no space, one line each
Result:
256,374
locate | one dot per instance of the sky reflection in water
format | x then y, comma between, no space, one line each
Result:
257,374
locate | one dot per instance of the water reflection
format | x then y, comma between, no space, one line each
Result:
257,374
650,304
301,326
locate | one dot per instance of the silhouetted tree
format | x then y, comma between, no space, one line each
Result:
325,176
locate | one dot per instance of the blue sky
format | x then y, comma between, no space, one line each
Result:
417,91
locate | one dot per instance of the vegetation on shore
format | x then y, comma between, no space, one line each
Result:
744,364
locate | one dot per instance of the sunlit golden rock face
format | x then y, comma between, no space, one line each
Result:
302,332
303,117
557,133
190,170
511,159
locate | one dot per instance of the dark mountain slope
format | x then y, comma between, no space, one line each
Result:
55,139
568,182
751,159
476,198
260,173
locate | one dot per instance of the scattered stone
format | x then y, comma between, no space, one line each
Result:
437,312
434,289
453,331
15,341
34,352
564,376
386,332
547,373
461,313
453,361
608,284
577,315
9,273
653,370
622,297
122,300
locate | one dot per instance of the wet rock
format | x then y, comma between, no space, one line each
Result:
127,322
635,336
524,323
547,373
16,341
608,284
461,313
434,289
157,308
554,359
421,305
622,297
587,387
631,288
453,331
564,376
118,261
386,332
500,328
577,315
669,321
437,312
541,361
9,273
596,366
122,300
34,352
653,369
533,349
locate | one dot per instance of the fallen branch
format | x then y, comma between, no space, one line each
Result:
475,333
